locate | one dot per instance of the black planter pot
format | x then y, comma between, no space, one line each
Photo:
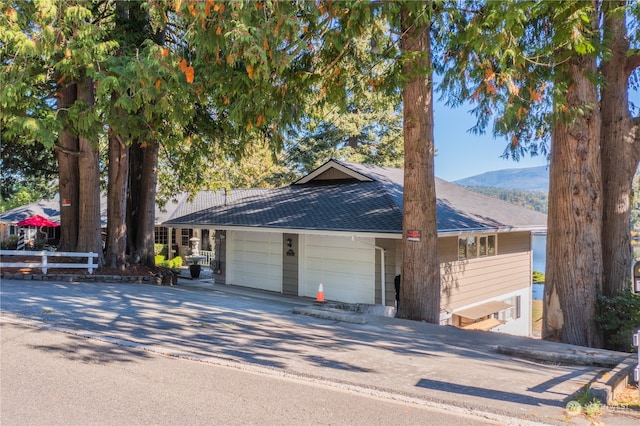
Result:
195,270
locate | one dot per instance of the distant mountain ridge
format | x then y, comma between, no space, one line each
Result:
525,179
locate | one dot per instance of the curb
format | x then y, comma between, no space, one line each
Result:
607,387
331,314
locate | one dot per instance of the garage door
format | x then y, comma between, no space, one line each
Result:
345,268
255,259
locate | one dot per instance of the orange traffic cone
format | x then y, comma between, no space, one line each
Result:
320,296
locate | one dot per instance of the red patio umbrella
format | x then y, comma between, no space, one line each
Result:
38,220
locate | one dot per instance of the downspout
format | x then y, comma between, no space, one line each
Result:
383,287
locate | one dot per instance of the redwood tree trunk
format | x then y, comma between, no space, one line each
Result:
147,206
420,285
68,175
89,226
620,156
117,203
574,256
141,205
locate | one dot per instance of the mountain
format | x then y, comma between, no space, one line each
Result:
526,179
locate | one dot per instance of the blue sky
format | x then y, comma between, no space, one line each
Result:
461,154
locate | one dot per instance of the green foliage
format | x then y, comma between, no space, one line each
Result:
533,200
538,277
160,250
619,318
10,243
174,263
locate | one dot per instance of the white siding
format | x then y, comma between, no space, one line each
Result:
255,259
518,326
345,268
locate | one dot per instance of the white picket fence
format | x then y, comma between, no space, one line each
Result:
44,260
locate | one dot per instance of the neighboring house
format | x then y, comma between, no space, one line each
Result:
341,225
49,209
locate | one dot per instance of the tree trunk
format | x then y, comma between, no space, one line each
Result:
89,226
147,219
574,256
420,285
142,199
68,175
117,203
620,156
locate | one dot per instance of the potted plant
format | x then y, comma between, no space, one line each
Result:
195,268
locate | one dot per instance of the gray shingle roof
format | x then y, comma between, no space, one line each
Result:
351,205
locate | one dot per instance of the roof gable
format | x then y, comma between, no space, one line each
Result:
333,171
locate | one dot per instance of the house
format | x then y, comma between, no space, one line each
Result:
341,225
9,219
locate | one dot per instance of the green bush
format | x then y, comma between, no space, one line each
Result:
160,250
538,277
619,318
174,263
11,243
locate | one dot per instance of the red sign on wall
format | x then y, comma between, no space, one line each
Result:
66,202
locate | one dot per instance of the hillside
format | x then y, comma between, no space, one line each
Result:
526,187
525,179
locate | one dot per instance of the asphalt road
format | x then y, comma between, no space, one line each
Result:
54,378
406,361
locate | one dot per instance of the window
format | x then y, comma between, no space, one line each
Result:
476,246
462,248
514,312
472,247
185,235
161,235
491,245
482,248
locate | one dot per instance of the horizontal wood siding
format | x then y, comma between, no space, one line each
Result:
470,281
448,249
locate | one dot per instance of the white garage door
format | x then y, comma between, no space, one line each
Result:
345,268
255,259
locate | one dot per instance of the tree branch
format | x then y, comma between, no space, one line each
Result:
68,151
633,62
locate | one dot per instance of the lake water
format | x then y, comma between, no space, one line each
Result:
539,247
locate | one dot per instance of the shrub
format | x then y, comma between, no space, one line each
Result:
160,250
11,243
174,263
538,277
619,317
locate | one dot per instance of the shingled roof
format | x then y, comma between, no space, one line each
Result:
341,196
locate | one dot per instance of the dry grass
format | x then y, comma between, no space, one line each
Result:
536,316
628,398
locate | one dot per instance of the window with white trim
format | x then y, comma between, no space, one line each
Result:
513,312
477,246
161,235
